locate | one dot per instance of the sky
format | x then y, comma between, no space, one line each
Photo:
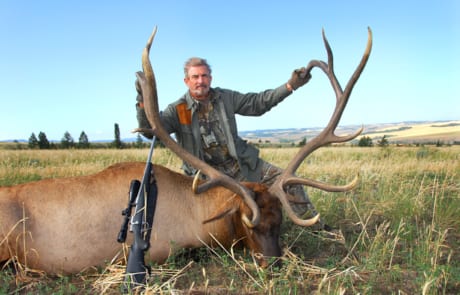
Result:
68,66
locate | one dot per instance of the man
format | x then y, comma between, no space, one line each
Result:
203,121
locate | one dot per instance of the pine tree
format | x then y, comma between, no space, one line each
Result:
83,142
67,141
33,141
117,142
43,142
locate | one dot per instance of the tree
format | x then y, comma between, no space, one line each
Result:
383,142
365,141
33,141
43,142
67,141
117,142
303,142
139,142
83,142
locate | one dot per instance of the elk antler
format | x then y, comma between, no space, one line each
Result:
326,136
215,177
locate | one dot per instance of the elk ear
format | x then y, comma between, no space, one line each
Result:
222,214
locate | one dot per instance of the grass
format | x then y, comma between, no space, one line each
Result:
401,227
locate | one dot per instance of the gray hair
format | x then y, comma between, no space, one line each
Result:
194,62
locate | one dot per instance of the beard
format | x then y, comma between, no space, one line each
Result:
202,91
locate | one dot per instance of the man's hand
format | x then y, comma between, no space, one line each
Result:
298,78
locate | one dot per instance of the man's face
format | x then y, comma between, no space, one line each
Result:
198,82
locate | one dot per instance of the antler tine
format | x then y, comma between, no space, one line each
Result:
354,78
149,92
322,185
326,136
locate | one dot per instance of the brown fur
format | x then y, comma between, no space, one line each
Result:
70,224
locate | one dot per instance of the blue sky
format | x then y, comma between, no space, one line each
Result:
69,65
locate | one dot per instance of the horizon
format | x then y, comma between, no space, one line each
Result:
134,135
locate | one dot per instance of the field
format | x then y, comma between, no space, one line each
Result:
400,227
422,132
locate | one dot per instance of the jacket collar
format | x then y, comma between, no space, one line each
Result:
193,104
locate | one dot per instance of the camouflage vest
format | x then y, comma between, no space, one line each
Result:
215,148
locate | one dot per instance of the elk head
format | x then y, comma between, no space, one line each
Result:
278,188
263,239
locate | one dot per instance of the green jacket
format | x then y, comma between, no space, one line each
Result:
180,118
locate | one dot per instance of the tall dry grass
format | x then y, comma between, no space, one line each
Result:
19,166
401,227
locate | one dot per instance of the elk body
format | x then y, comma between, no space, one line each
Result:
67,225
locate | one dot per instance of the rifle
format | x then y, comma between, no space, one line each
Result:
144,196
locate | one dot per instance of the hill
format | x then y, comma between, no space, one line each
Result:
418,132
404,132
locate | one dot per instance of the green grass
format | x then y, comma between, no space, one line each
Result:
401,227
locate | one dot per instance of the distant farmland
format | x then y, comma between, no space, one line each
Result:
447,132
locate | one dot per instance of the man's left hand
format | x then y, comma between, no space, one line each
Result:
299,78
